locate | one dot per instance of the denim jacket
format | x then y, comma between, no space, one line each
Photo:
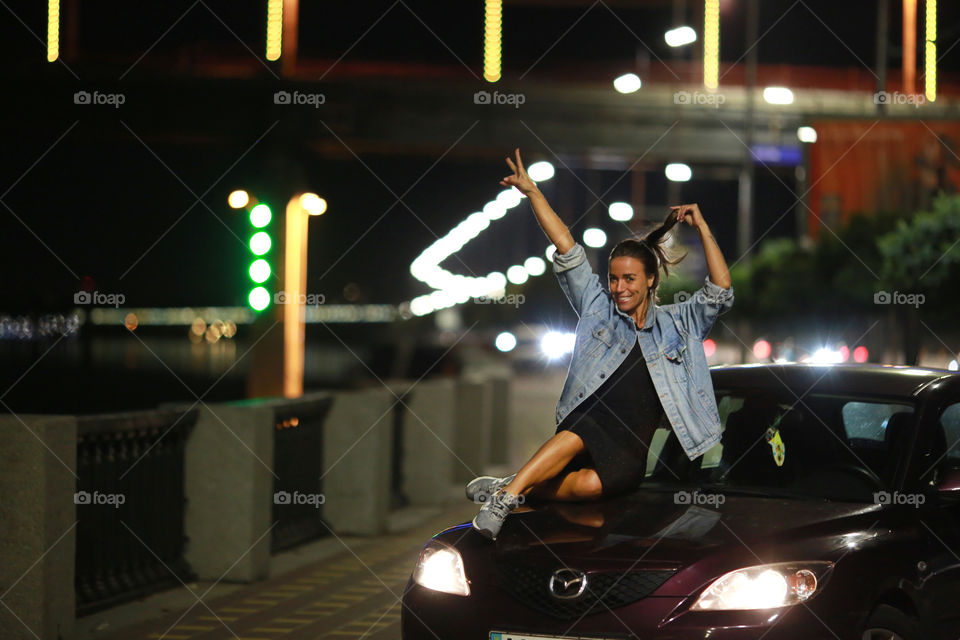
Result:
671,340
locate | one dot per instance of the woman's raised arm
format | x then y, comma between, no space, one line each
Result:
719,274
550,222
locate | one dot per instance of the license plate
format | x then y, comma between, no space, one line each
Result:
506,635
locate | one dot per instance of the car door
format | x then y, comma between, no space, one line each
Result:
938,452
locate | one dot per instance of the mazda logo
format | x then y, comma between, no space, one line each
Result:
567,584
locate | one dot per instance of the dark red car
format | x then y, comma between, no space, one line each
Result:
830,510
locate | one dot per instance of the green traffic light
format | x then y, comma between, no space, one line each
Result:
259,299
260,216
260,243
259,270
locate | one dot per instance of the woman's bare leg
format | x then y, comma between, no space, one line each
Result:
547,462
583,484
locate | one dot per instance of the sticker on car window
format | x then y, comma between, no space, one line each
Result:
776,442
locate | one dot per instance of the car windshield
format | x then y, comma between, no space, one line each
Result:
833,447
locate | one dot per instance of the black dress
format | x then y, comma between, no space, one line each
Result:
616,425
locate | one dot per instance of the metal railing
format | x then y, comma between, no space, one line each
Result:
130,506
298,465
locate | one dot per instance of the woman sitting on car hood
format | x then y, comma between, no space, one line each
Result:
635,365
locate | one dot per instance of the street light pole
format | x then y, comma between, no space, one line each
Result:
299,209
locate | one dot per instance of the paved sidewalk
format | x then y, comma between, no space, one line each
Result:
353,593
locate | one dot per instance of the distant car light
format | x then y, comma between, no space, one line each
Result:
506,341
627,83
824,355
709,347
555,344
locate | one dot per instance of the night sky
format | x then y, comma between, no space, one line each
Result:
99,204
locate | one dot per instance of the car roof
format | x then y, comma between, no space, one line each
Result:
865,379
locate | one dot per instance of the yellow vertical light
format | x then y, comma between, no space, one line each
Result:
53,30
930,52
294,285
492,33
909,56
711,44
274,28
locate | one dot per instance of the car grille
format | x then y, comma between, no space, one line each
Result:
605,590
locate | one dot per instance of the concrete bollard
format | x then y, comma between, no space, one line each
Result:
472,428
357,447
229,484
533,417
429,461
500,420
38,461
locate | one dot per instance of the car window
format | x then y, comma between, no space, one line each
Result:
656,448
868,420
725,406
950,420
823,446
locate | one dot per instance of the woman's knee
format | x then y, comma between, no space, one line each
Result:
588,484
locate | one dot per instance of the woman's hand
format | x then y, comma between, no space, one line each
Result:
549,221
519,179
689,213
719,274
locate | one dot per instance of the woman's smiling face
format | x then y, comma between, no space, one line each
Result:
629,283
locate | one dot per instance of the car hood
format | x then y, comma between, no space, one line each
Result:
649,530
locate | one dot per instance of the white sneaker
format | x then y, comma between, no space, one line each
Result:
492,514
480,489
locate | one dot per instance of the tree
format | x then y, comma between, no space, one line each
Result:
921,269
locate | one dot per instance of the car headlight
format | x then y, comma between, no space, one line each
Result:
764,586
440,568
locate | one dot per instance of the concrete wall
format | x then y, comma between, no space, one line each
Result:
357,444
500,401
472,429
38,460
229,486
453,429
533,413
429,460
